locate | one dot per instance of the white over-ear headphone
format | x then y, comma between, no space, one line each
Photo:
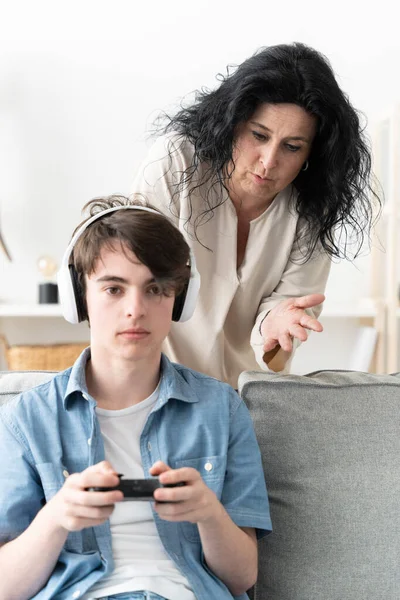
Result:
69,288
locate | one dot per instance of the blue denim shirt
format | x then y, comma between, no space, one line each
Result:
52,430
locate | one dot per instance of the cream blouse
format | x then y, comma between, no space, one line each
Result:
222,339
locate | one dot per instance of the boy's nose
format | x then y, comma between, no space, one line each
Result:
136,304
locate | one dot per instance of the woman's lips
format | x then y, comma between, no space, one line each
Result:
260,180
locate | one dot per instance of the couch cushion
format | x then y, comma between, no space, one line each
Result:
330,442
15,382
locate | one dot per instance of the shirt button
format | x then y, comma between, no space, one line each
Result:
89,441
86,398
149,446
208,466
76,594
65,473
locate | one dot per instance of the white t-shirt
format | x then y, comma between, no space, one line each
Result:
141,562
222,339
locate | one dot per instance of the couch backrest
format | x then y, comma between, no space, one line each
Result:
15,382
330,443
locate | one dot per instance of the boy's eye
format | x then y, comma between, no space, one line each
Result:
155,290
113,291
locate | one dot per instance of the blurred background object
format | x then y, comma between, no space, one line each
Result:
48,290
3,246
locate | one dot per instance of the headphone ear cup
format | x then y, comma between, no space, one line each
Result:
78,294
70,294
179,304
66,293
185,303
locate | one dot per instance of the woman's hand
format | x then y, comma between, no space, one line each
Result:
193,502
288,320
73,508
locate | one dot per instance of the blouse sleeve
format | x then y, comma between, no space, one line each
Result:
298,279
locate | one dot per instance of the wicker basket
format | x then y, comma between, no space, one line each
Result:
56,357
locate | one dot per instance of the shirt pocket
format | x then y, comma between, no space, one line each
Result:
212,470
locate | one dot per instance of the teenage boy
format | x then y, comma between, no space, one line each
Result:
125,408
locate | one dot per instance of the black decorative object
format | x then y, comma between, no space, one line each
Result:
48,293
48,290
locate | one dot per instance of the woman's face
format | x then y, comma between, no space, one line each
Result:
270,150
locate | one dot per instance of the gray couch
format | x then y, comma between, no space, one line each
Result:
330,443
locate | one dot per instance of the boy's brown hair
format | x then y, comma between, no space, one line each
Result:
154,240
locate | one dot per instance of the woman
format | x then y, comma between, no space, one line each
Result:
266,175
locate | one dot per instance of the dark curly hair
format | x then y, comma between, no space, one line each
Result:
336,196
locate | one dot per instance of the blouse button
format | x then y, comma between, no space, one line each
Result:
208,466
65,473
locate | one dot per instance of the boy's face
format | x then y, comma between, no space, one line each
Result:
128,313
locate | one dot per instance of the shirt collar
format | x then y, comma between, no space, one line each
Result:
77,377
173,383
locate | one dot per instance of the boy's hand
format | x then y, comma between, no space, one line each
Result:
194,502
73,508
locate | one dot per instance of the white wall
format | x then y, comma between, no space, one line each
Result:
80,83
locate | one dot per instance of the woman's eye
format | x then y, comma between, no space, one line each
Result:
292,148
259,136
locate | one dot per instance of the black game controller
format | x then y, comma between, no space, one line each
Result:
136,489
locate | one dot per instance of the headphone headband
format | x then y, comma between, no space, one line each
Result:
97,216
70,294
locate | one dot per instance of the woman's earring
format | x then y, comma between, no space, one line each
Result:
305,166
